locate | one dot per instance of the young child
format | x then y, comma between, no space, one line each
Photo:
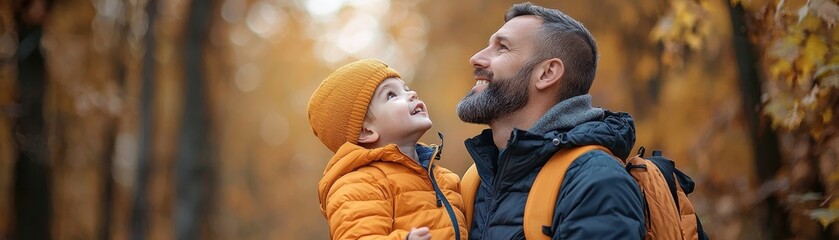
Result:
381,183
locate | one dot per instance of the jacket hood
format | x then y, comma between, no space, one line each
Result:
576,123
616,132
350,157
567,114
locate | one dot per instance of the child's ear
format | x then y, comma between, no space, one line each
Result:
368,135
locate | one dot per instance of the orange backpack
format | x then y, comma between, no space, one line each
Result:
669,213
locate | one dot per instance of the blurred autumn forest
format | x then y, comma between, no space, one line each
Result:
151,119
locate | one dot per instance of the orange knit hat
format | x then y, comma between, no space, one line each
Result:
339,105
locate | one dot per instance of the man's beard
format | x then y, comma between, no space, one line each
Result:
500,98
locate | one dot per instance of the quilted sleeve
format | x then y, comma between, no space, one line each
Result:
359,206
599,201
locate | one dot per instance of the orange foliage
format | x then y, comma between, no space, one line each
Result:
798,47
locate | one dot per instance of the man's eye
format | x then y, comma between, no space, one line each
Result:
390,95
503,47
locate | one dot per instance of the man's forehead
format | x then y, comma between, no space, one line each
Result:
518,26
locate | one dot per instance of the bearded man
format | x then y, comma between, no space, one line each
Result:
532,83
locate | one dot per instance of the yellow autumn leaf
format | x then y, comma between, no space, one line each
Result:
787,48
803,82
779,108
827,115
687,14
816,132
686,19
780,67
825,216
810,23
812,55
693,41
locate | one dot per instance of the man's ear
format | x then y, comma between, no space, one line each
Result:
549,72
367,135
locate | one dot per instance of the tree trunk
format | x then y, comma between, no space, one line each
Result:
765,142
194,168
139,214
32,175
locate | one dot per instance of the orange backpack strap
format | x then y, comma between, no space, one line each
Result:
468,189
541,200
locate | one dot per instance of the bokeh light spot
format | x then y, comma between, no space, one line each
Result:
247,77
233,10
359,33
274,129
265,19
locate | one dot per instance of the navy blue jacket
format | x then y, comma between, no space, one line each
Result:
598,198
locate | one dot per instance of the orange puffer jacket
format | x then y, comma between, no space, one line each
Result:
381,194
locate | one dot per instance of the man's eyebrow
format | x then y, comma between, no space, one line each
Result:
499,38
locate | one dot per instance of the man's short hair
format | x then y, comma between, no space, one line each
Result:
563,37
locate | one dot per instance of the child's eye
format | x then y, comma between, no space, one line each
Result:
390,95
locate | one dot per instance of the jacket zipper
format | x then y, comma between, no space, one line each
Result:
441,198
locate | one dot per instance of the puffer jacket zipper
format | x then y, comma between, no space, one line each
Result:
441,198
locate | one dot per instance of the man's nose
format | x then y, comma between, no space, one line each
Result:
479,60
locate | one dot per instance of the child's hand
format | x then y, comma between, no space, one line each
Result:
419,234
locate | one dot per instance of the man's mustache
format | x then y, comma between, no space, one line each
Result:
483,72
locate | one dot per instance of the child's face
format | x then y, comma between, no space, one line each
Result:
397,114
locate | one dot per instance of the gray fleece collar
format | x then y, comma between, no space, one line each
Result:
567,114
